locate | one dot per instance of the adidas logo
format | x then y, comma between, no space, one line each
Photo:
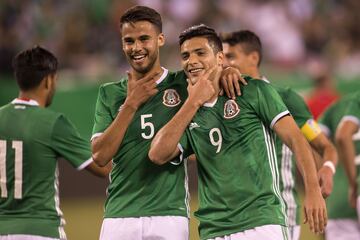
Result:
193,125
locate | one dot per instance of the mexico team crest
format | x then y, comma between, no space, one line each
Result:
231,109
171,98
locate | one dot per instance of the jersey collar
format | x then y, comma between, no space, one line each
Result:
265,79
210,104
163,76
29,102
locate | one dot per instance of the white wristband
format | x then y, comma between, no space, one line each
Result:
331,165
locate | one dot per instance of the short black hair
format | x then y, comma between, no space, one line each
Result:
142,13
202,30
31,66
248,39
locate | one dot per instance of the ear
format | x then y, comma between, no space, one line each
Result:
220,58
161,39
49,81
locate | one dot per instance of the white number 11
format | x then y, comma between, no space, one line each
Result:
18,147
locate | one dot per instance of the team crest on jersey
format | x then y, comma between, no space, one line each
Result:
231,109
171,98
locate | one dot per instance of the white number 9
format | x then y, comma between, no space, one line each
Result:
217,143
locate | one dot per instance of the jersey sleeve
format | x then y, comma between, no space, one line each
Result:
301,114
102,115
67,143
352,112
185,146
268,104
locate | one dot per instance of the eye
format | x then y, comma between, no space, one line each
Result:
184,56
128,41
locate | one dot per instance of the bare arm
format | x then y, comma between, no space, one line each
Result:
314,204
346,148
164,145
106,145
328,152
99,171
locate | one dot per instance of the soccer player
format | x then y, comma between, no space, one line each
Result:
144,200
233,140
342,222
242,50
32,138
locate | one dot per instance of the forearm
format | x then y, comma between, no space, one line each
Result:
325,149
305,162
106,145
165,141
347,154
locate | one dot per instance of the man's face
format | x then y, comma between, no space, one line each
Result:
236,57
198,57
141,41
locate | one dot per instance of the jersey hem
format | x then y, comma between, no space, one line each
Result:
146,215
85,164
241,229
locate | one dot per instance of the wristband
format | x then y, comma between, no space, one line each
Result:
331,165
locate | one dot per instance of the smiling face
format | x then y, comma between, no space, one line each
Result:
198,57
141,41
236,57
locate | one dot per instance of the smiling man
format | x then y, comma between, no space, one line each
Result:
233,140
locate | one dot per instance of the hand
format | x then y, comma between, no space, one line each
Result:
229,80
203,90
315,211
353,195
325,176
139,91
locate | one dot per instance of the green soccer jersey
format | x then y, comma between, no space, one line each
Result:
338,203
31,141
139,187
287,167
239,182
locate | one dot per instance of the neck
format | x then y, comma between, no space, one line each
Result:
254,73
33,96
154,69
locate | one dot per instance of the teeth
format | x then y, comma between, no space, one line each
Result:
195,70
138,57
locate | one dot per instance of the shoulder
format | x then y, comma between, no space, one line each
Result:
113,91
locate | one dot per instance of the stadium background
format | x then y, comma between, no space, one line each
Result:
303,39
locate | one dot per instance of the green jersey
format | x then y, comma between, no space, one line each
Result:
31,140
338,203
286,164
239,184
139,187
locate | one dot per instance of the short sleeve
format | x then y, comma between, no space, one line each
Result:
67,143
297,107
268,104
102,115
352,112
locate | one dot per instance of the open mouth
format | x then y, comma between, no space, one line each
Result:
138,58
195,71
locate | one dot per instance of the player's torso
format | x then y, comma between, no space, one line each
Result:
236,165
135,180
28,166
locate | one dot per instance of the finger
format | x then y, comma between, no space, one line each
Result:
325,217
236,84
321,221
305,216
231,87
153,92
314,221
226,87
242,80
129,76
221,93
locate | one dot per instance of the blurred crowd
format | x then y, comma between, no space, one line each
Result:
84,35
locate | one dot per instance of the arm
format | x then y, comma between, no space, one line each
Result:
328,153
107,144
99,171
346,148
164,145
314,204
229,81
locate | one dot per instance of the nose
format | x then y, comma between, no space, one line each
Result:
137,45
192,59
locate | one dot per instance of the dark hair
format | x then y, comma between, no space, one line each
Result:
142,13
202,31
32,66
249,41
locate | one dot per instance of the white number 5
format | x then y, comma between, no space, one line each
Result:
145,124
217,143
